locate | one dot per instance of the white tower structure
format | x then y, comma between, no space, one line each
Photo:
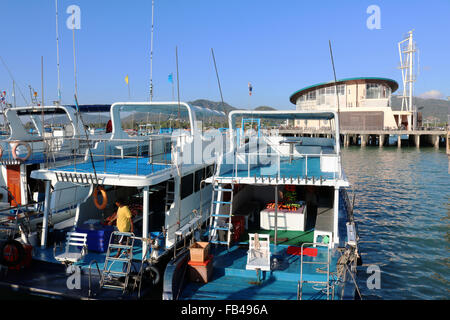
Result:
407,50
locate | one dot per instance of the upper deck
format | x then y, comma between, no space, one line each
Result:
135,160
261,155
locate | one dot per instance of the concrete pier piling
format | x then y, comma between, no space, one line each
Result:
381,140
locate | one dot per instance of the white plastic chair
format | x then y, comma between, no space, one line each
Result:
258,254
73,240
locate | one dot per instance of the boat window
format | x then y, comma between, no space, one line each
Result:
209,171
187,185
199,176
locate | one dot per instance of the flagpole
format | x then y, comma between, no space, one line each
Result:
57,54
173,90
127,80
151,55
74,57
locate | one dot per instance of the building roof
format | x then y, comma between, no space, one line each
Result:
391,83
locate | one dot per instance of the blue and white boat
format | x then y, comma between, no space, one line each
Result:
40,137
281,224
165,192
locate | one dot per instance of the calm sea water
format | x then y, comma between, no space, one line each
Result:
402,209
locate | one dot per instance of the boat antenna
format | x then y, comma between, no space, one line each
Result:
57,54
218,81
334,72
74,56
151,54
178,87
336,88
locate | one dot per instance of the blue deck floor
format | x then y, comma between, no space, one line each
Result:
47,255
232,281
129,166
287,169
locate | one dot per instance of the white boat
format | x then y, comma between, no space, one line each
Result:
281,224
33,143
164,190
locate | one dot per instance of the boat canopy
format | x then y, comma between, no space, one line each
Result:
181,110
281,115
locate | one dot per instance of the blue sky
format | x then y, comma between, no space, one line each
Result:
278,46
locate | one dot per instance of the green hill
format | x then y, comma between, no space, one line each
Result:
430,108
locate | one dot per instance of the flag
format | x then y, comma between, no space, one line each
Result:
170,78
126,79
250,88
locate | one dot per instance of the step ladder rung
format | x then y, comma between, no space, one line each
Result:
120,273
220,228
118,259
120,246
220,215
111,286
218,242
222,202
222,189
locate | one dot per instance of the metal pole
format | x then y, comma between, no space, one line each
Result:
74,57
145,219
46,212
14,94
151,55
42,80
275,238
57,54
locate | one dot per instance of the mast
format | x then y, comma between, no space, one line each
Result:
57,54
74,57
151,54
336,88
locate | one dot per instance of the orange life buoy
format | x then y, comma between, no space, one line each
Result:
104,196
14,151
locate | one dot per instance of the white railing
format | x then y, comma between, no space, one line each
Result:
270,166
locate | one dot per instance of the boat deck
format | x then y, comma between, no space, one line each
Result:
128,166
231,280
47,277
299,167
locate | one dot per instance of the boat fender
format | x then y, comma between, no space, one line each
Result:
102,205
14,151
1,152
15,255
154,273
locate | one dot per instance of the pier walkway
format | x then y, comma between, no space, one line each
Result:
418,138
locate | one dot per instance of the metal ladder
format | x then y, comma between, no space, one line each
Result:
327,263
107,280
170,193
217,218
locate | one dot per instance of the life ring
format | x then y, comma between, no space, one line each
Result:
11,253
14,151
104,196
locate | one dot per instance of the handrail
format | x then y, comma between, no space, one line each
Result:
247,160
300,284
